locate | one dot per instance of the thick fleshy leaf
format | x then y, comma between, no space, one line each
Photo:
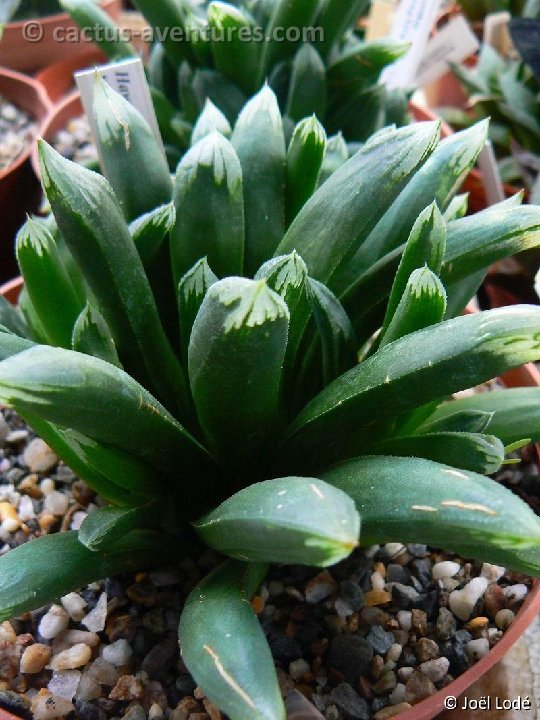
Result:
91,336
225,94
457,208
472,421
236,356
336,17
127,144
360,116
103,528
234,51
36,331
415,500
96,233
336,155
478,453
209,209
11,344
417,369
304,161
423,304
288,520
335,221
360,66
12,318
210,120
260,144
47,283
100,401
150,230
100,28
225,649
192,290
60,564
339,351
164,16
307,89
515,412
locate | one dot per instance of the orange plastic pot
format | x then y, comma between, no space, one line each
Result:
526,376
58,80
57,119
19,52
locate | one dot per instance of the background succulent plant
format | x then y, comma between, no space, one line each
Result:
330,72
203,353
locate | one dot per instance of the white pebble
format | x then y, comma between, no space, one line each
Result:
516,593
405,620
449,584
75,605
377,581
65,683
492,572
26,509
504,618
73,637
56,503
298,669
53,623
47,486
462,602
397,695
74,657
96,618
404,673
39,457
394,549
343,608
155,712
446,569
117,653
46,706
435,669
77,519
477,649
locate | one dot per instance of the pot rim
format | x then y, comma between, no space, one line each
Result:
524,376
42,101
53,112
47,20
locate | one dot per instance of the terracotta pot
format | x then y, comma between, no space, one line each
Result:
526,376
18,53
56,120
57,79
19,192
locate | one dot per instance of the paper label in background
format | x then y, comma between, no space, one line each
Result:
453,44
129,80
413,23
491,177
380,19
497,32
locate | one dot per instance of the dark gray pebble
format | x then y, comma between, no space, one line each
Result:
350,655
380,640
349,703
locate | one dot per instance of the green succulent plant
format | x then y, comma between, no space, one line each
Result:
203,352
330,71
507,90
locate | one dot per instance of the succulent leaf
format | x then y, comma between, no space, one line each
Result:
150,231
91,336
210,120
103,528
305,157
99,27
192,290
307,88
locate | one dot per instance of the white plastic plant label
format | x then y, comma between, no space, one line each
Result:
454,43
127,78
497,32
413,23
491,177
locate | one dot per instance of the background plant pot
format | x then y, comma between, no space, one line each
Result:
57,119
526,376
58,80
19,191
18,53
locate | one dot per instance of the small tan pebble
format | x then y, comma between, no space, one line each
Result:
504,618
39,457
103,672
494,600
418,687
320,587
377,597
394,550
394,653
74,657
299,668
82,493
56,503
68,638
211,709
8,512
435,669
405,620
7,633
380,568
128,687
373,616
450,584
492,572
404,673
89,688
294,593
10,658
477,624
445,569
377,581
155,712
392,711
35,658
184,709
419,622
47,486
46,521
376,666
332,713
46,706
477,649
426,649
53,622
385,684
29,486
75,605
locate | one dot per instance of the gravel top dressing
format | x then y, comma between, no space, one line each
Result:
75,142
17,129
363,640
